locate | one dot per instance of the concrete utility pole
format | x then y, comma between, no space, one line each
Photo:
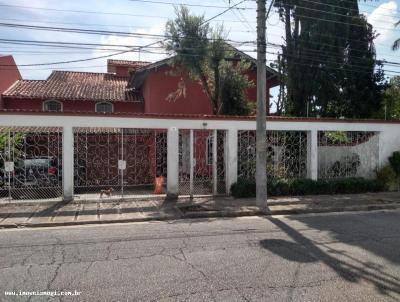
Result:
261,145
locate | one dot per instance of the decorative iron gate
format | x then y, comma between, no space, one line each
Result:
344,154
30,163
118,162
286,154
202,162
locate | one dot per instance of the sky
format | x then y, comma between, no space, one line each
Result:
139,16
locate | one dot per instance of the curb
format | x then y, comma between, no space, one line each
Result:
210,214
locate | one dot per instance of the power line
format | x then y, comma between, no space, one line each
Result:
351,2
316,51
186,4
121,33
93,12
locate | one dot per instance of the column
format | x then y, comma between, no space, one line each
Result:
68,163
231,158
312,154
214,162
172,163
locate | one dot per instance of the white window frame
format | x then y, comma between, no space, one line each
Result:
52,101
103,102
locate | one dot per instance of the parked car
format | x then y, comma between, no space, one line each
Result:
38,177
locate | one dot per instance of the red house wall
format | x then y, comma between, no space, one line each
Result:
8,74
159,84
68,106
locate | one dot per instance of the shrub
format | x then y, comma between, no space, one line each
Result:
243,188
394,161
387,178
247,188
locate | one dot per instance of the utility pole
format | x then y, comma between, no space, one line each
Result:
261,144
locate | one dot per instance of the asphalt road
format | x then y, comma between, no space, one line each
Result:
346,257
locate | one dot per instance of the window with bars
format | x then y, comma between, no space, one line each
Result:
104,107
52,105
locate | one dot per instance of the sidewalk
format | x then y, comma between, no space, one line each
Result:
46,214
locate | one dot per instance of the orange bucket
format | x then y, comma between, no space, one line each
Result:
158,185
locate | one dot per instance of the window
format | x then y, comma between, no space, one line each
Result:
52,105
104,107
209,151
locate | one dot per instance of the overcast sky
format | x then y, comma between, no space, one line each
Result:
148,18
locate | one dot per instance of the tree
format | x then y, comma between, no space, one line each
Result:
199,54
396,44
233,89
328,62
391,100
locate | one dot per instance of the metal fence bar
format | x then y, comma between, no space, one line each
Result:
214,161
191,163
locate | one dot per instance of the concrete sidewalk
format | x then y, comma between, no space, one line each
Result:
45,214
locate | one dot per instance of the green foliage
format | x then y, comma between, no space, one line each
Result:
199,54
394,161
234,84
336,136
244,188
391,100
16,141
387,178
328,63
247,188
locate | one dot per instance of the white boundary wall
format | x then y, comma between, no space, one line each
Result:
389,139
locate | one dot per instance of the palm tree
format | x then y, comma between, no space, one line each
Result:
396,44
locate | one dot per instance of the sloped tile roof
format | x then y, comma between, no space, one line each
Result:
133,64
68,85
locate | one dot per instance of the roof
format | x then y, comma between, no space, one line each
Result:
68,85
128,65
134,64
141,73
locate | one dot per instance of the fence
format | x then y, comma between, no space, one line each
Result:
85,157
30,162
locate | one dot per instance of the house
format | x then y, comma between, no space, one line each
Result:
9,74
127,87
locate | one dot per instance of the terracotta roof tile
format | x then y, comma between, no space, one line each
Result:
67,85
133,64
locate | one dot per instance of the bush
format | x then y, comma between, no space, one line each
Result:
394,161
387,178
244,188
247,188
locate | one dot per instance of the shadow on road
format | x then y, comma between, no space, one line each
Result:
348,267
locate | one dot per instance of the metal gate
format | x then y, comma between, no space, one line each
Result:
286,154
202,162
118,162
30,163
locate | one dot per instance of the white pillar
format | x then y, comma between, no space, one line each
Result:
312,154
231,158
214,162
192,162
172,163
68,163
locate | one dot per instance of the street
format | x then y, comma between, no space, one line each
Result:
326,257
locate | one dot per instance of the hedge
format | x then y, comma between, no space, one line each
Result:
247,188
